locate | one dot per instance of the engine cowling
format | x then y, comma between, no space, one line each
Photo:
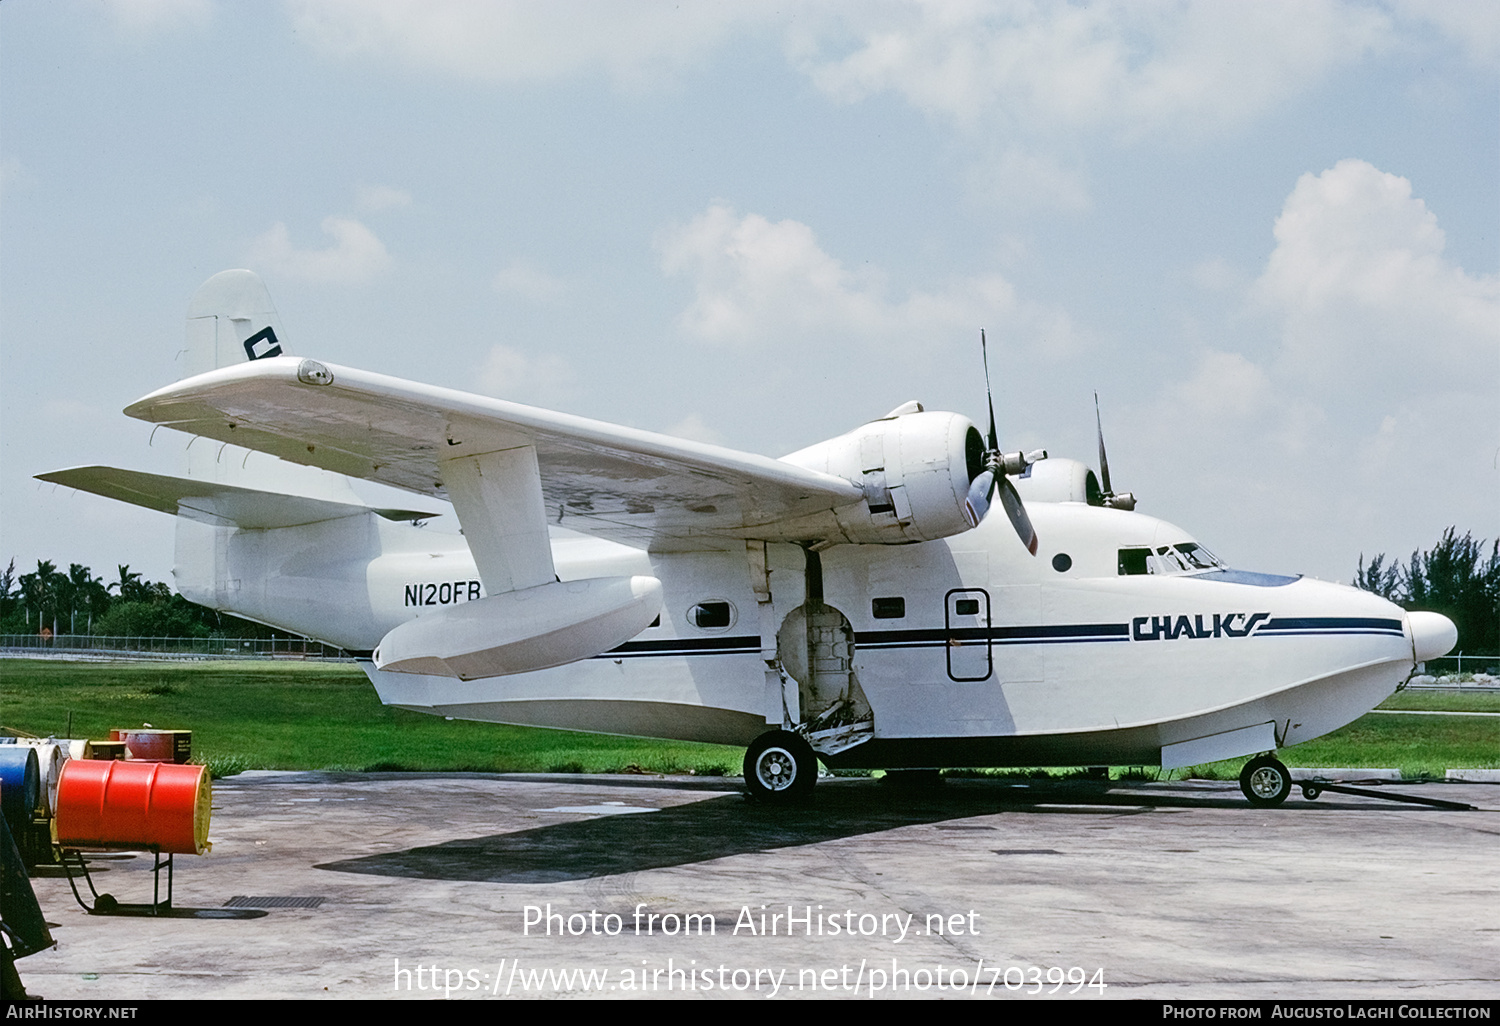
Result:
1059,479
915,470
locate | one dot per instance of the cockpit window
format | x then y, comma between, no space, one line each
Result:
1182,558
1170,561
1198,557
1134,561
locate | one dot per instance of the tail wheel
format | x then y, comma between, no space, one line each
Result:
1266,782
780,767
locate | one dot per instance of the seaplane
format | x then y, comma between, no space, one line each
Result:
854,602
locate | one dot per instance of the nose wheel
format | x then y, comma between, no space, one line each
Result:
1266,782
780,767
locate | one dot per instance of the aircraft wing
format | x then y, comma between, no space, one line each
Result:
637,487
209,502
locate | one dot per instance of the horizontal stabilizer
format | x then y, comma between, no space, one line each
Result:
208,502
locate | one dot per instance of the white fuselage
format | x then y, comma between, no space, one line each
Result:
969,650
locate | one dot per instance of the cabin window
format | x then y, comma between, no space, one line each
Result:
888,608
1134,561
966,607
1062,562
711,615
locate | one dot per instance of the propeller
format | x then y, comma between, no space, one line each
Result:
997,466
1124,500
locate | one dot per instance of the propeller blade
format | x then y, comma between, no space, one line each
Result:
1103,460
989,394
1017,513
981,490
993,479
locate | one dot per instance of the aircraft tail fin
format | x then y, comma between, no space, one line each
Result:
230,320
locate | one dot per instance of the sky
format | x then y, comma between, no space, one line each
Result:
1265,234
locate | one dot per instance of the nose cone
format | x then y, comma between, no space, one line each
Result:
1432,635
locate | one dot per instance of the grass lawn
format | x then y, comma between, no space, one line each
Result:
1419,746
1469,700
268,715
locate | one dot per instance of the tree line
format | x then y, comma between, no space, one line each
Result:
1457,577
51,602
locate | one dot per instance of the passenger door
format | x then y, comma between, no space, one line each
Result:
967,630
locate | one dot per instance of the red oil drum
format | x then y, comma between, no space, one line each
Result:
133,805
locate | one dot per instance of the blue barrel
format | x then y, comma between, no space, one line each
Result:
20,783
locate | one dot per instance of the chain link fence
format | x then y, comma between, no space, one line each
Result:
1461,663
86,646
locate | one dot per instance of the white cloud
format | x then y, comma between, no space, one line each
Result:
356,255
763,284
1154,64
521,41
1374,417
1028,83
509,373
1224,385
1131,68
375,198
1364,293
1023,82
519,278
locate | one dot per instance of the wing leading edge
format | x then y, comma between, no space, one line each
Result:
632,486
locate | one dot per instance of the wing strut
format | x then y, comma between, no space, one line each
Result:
498,499
528,619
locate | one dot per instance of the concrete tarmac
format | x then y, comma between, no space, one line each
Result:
475,886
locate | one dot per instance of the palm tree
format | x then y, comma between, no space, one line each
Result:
39,592
7,582
87,592
130,585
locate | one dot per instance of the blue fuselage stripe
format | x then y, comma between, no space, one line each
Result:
1032,634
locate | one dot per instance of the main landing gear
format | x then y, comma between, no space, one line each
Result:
780,767
1265,781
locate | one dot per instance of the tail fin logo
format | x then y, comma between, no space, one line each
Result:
268,337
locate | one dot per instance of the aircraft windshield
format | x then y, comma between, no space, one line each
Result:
1182,558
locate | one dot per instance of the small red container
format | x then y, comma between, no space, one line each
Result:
133,805
151,745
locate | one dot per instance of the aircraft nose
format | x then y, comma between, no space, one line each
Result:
1432,635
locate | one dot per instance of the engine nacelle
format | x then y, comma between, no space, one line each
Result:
1059,480
915,469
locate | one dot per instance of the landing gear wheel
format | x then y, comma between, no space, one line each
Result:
780,767
1266,782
